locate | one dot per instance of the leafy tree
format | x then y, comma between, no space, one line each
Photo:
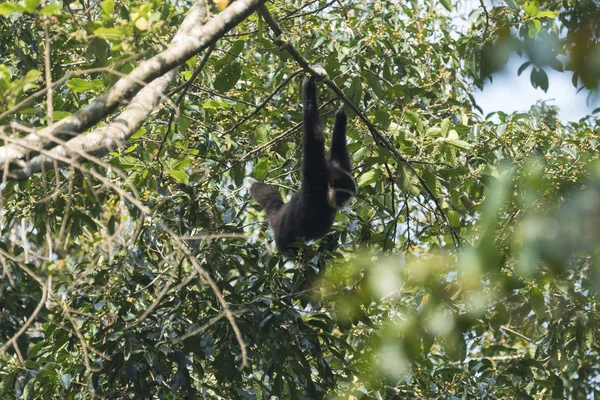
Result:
134,265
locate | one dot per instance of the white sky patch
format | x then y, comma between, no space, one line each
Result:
509,92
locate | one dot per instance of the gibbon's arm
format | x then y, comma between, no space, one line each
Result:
314,163
339,151
266,195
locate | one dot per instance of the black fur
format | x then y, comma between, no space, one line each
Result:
326,185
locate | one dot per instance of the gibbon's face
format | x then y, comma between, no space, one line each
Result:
341,187
338,197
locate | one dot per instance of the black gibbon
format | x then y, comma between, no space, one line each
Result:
326,185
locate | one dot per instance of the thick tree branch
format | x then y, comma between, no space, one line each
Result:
192,38
102,140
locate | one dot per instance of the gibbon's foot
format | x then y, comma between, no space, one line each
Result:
320,72
340,113
249,182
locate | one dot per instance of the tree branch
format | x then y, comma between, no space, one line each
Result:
191,38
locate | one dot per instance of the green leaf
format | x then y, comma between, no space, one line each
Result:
444,127
179,176
126,163
130,148
454,140
228,76
215,104
434,131
236,48
5,78
183,163
556,65
375,84
260,170
31,76
408,181
355,91
523,67
534,27
368,178
261,136
454,218
139,133
31,5
8,8
571,152
415,118
108,7
79,85
536,302
539,78
532,7
447,4
58,115
229,215
51,9
546,14
112,34
65,380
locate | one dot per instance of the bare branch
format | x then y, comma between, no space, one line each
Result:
205,326
264,103
213,285
12,341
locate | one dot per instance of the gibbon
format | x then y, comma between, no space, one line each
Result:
326,184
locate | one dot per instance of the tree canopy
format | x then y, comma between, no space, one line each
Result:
133,263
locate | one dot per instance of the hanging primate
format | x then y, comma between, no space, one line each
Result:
326,185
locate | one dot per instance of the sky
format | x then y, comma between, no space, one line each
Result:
509,92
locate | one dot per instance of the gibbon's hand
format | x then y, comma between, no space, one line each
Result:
320,72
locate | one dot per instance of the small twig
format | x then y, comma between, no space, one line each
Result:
184,89
13,340
48,72
213,285
216,236
264,103
487,19
84,348
221,95
509,329
316,11
205,326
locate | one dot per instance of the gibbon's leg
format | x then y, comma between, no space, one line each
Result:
266,195
315,165
339,151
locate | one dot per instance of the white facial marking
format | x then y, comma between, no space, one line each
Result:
331,198
248,182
